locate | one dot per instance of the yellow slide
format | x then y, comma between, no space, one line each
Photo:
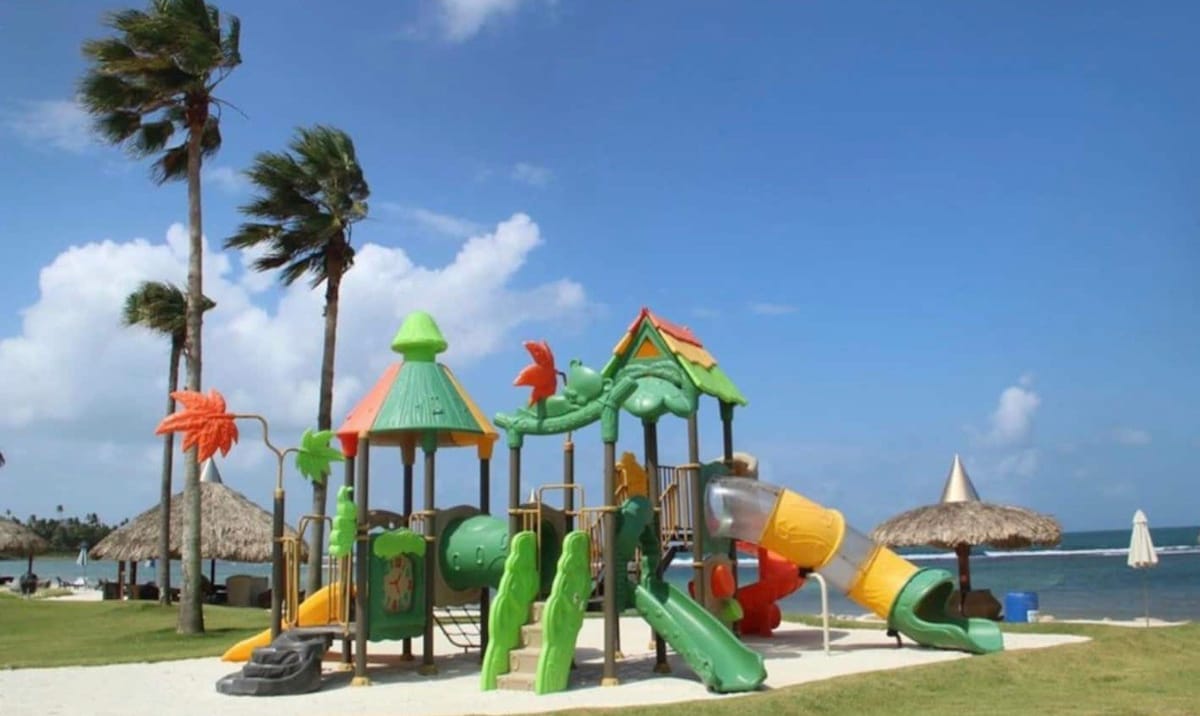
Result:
317,610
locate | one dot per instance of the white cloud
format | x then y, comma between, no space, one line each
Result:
433,222
763,308
1012,421
74,377
60,123
531,174
463,19
705,312
227,179
1133,437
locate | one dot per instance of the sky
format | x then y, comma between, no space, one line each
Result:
905,230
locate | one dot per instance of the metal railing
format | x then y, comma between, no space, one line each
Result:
341,575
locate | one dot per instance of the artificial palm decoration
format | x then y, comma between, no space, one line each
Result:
151,88
307,200
162,308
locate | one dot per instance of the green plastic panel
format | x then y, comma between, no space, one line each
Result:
919,613
396,600
510,607
473,552
563,614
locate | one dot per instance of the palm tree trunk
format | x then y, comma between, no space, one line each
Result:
333,285
191,610
164,503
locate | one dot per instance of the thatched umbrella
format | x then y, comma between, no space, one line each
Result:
961,520
232,528
16,538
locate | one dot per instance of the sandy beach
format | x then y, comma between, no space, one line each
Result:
793,656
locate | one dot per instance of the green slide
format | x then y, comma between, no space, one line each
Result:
919,613
718,657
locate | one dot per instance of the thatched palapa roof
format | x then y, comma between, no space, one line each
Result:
950,524
17,539
961,518
232,528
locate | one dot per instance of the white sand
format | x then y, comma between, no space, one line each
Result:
794,655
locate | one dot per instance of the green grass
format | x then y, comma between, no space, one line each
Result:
36,632
1121,671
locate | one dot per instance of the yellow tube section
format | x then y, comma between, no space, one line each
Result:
810,535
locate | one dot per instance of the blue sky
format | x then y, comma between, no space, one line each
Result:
906,230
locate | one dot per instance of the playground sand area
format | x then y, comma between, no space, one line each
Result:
794,655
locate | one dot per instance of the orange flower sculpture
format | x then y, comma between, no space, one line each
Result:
541,376
203,422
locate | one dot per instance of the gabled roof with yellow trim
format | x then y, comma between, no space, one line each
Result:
649,335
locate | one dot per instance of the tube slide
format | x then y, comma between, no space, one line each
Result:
912,600
314,611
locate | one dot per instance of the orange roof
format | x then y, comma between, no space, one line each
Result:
674,330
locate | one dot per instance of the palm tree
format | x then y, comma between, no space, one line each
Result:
162,308
155,78
307,200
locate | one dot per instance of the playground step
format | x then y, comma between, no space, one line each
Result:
535,612
516,682
523,661
531,636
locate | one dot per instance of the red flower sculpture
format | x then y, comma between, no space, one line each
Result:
203,422
541,376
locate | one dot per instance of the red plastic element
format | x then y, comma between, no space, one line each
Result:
722,585
541,375
777,578
203,421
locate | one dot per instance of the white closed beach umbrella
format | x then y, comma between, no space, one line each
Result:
1142,554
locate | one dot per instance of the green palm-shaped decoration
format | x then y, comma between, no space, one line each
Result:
315,454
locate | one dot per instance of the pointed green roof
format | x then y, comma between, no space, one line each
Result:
419,338
678,342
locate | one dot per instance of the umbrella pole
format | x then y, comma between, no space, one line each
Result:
1146,596
963,551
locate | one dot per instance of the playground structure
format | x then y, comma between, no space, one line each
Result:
397,575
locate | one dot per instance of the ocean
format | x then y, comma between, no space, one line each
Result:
1085,577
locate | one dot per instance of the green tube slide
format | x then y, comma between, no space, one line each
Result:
473,551
920,613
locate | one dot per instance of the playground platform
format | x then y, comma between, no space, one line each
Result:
794,655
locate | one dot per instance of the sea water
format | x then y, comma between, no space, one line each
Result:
1085,577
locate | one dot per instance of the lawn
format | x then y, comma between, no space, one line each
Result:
36,632
1121,671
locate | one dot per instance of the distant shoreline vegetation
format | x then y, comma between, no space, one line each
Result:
66,535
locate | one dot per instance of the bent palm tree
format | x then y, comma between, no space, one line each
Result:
162,308
307,200
156,78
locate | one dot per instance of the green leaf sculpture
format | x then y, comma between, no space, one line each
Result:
345,524
397,542
314,454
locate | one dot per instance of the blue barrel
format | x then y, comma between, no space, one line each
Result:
1017,606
